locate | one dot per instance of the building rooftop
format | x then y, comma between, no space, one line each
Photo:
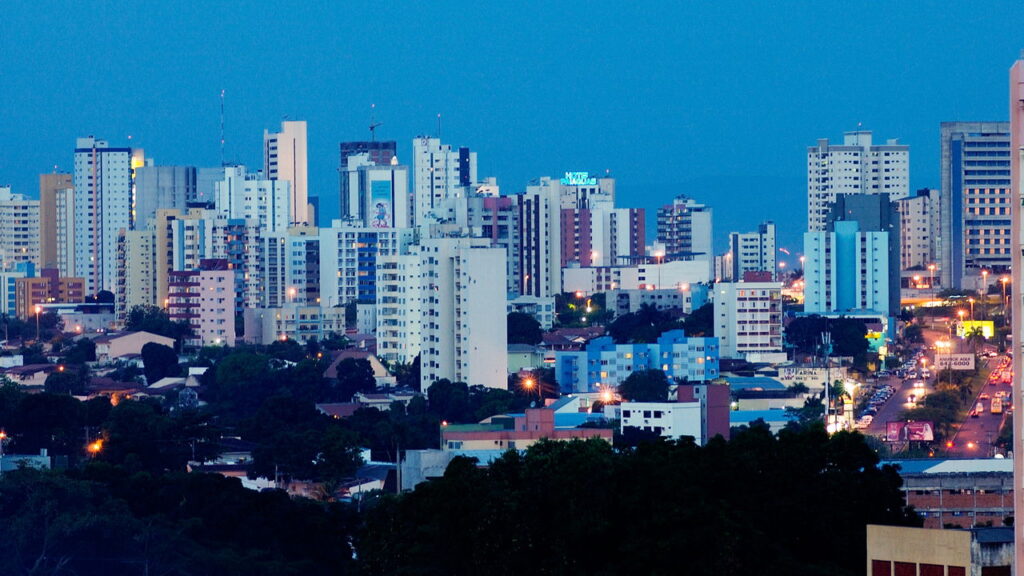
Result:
739,417
741,383
954,466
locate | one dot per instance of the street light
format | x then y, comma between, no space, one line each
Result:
917,281
38,310
94,448
971,301
1004,280
931,276
3,438
984,293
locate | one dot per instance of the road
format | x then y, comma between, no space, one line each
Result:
894,407
975,437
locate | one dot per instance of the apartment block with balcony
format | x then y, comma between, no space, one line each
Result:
748,318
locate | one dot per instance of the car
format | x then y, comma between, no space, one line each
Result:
919,384
911,398
983,396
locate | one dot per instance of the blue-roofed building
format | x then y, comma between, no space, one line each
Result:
962,492
775,419
754,383
605,363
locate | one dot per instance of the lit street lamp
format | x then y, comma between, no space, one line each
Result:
3,439
1004,281
931,276
38,310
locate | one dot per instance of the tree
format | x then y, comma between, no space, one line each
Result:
156,321
287,349
523,329
645,386
158,362
83,350
354,375
449,400
70,380
701,322
644,325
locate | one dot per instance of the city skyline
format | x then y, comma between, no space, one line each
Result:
680,118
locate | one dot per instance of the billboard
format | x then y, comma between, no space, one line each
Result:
987,328
909,431
381,204
954,361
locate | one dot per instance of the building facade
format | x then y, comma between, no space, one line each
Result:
686,230
752,251
856,167
49,186
204,298
284,159
748,318
439,172
166,187
19,228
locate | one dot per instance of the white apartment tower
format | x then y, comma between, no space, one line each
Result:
855,167
540,247
439,172
748,318
752,251
465,336
920,221
19,229
284,158
248,196
103,207
136,277
399,306
348,260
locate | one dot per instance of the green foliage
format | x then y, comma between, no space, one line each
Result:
142,436
645,386
913,334
701,322
354,375
158,362
941,407
643,326
848,335
571,310
289,350
72,380
523,329
543,512
156,321
83,350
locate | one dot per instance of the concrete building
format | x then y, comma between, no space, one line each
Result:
204,298
284,159
905,551
484,214
976,200
963,493
540,245
19,228
856,167
348,260
752,252
47,288
701,412
49,185
376,196
8,285
920,221
846,271
162,187
136,278
686,231
110,347
292,322
246,196
102,208
353,155
439,172
541,309
675,275
64,201
685,299
604,364
399,306
291,266
494,436
1016,105
853,266
748,318
464,327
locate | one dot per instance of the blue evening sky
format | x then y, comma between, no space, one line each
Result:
717,100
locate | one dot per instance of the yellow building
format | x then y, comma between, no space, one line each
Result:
901,551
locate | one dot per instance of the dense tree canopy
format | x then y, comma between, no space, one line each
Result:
848,335
523,329
643,326
158,362
645,386
752,505
156,321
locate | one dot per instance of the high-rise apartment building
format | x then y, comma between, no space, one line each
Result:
399,306
249,196
685,229
284,158
465,336
439,172
166,187
348,260
752,251
50,185
376,196
748,318
103,207
846,271
920,225
47,288
1016,105
204,298
373,153
856,167
975,231
136,277
19,228
291,267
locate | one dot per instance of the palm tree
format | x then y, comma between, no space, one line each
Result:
974,336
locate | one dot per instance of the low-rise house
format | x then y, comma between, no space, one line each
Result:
115,346
31,375
381,376
498,434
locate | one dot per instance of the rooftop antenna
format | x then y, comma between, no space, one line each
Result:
222,163
438,125
373,123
